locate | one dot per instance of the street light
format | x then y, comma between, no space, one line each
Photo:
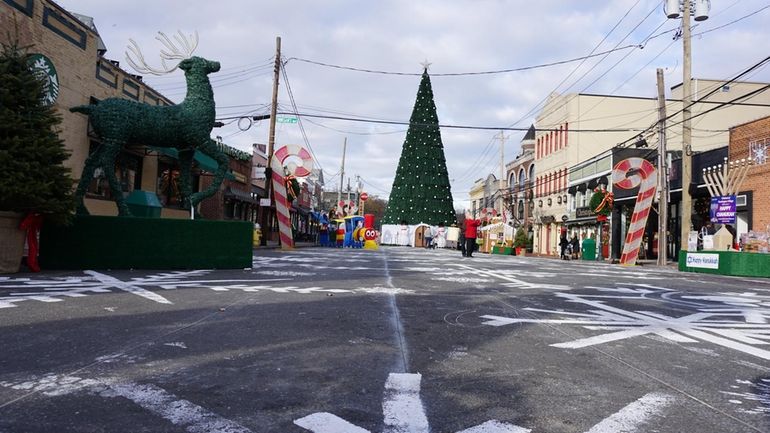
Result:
672,8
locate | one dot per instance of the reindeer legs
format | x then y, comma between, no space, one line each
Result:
110,154
93,161
185,175
210,148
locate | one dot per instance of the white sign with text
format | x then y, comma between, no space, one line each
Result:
700,260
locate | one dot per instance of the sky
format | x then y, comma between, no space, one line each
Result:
453,36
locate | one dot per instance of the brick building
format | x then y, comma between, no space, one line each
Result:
752,139
234,200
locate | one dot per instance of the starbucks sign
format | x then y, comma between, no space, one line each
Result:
44,70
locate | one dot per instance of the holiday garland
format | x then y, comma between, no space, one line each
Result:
601,202
292,187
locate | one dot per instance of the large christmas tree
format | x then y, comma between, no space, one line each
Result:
421,191
33,179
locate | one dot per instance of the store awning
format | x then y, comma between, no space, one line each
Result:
240,195
260,192
572,190
204,161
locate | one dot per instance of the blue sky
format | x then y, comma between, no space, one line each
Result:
397,36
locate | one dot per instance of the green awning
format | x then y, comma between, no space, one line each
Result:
205,162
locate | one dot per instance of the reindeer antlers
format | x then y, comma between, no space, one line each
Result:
176,53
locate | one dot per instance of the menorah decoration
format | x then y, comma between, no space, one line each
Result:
726,179
186,127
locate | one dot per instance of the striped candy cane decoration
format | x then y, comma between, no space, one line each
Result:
281,204
645,178
290,150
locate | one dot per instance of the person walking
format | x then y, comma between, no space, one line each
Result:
563,243
575,247
471,232
428,235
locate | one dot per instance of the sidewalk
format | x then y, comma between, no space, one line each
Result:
272,245
644,262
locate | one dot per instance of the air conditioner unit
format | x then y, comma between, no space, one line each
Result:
740,200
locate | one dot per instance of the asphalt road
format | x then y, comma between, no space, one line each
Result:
397,340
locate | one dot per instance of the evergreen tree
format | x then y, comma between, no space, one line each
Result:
421,191
33,178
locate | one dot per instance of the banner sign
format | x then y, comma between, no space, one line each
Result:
700,260
722,210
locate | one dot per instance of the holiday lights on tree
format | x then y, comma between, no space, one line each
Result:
421,192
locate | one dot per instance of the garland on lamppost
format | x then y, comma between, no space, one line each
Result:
601,203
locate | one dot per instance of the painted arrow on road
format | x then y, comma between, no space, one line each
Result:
402,410
404,413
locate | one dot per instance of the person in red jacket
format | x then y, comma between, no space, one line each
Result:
471,231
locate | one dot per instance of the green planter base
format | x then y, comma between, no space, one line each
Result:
99,242
725,263
502,250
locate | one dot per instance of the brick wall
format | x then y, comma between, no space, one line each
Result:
757,179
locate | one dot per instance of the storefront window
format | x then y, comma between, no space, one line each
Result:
169,186
128,170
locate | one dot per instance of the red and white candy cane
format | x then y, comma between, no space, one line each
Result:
645,178
281,204
279,187
292,152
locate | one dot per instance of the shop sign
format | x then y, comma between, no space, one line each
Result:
702,260
240,177
264,202
722,210
584,212
548,219
43,69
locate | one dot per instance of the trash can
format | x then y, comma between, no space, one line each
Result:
144,204
588,249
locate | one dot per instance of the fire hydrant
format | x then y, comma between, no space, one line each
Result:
257,236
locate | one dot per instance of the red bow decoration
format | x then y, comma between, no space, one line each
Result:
32,223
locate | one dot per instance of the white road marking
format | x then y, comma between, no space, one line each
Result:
632,416
178,344
515,282
324,422
128,287
194,418
403,412
495,426
180,412
720,325
402,408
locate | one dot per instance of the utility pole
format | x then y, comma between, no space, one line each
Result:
502,137
266,216
686,211
342,172
662,174
348,190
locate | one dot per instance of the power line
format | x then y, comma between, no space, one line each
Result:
299,120
483,128
732,22
457,74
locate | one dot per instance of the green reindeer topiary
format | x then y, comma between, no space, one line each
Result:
187,126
